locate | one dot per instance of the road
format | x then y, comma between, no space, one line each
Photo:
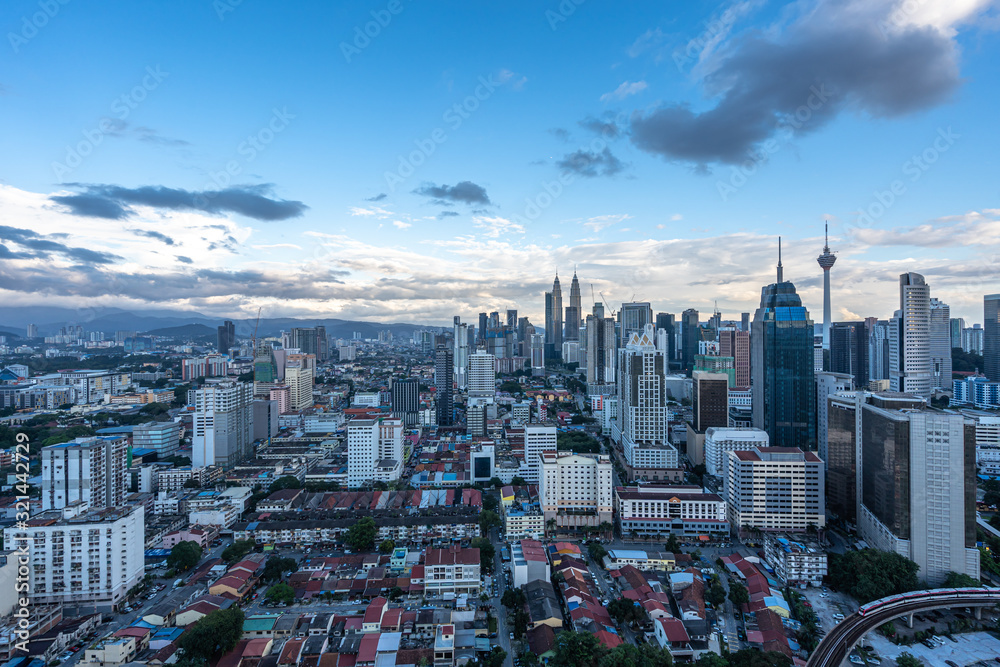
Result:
504,624
835,647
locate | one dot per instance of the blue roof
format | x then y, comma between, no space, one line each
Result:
168,633
113,430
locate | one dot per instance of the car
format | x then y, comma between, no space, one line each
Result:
857,660
512,635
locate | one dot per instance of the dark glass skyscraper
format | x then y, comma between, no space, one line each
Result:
849,350
665,321
443,383
991,336
226,336
782,367
690,337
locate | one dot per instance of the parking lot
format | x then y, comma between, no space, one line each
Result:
827,604
967,649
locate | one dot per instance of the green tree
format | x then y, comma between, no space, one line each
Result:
513,598
395,593
960,580
624,611
871,574
386,546
286,482
518,481
673,545
192,484
521,620
214,635
711,660
716,593
630,655
280,592
237,550
361,536
577,649
489,520
991,487
751,657
490,502
487,554
277,566
596,551
907,660
183,556
738,594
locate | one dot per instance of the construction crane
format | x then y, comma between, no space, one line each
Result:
253,340
608,305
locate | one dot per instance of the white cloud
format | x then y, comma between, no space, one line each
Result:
599,222
401,224
269,246
370,211
624,90
494,226
516,81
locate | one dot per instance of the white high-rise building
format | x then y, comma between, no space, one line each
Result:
93,557
88,470
482,374
299,374
775,488
719,441
461,357
643,416
538,438
222,428
910,341
374,451
538,354
940,346
575,489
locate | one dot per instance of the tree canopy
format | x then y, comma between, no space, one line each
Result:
286,482
276,567
280,592
237,550
184,556
738,594
908,660
871,574
361,536
214,635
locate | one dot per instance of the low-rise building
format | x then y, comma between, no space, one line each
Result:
452,570
529,562
796,561
658,509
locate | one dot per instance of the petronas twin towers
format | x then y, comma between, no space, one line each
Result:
555,330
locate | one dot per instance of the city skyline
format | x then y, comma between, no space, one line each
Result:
200,177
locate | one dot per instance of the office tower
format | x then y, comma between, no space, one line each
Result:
715,321
299,376
633,318
665,322
917,487
910,340
710,405
222,427
405,401
538,438
849,349
575,489
826,262
736,344
375,450
643,416
783,375
475,419
550,322
978,391
602,351
90,470
482,375
775,488
265,370
445,390
690,337
483,326
828,383
972,340
164,438
226,337
957,324
310,340
512,318
719,441
461,354
879,336
991,336
281,395
572,330
745,322
93,558
31,331
574,295
557,318
537,354
940,345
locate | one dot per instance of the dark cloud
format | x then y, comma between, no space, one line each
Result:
182,258
560,133
379,197
43,247
153,235
605,128
465,192
823,64
113,202
591,164
447,214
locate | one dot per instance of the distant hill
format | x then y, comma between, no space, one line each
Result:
12,334
184,331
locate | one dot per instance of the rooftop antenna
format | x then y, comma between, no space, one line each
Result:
781,277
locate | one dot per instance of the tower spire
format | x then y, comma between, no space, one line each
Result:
781,277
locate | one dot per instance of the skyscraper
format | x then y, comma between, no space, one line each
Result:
957,324
482,375
483,326
443,383
991,336
461,354
665,322
826,262
783,375
690,337
222,426
634,317
405,400
574,312
92,470
557,318
940,346
735,343
226,336
602,351
910,338
849,348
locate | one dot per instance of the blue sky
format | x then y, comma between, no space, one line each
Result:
164,98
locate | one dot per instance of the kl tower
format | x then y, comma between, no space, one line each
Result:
826,262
